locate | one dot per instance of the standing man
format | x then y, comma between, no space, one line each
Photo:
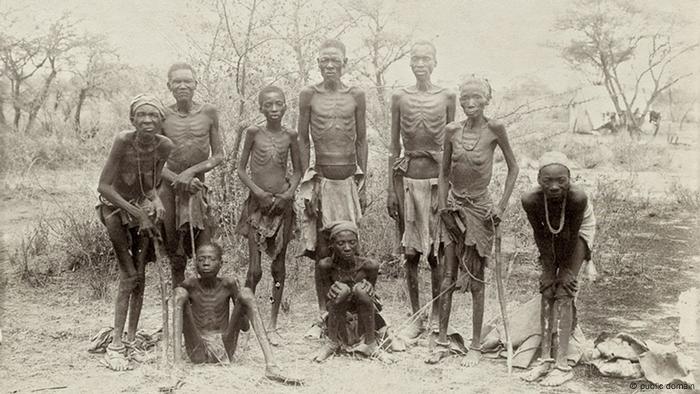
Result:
418,117
563,225
333,115
194,128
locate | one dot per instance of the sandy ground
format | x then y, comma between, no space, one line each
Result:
46,330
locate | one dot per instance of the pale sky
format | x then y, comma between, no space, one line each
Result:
501,39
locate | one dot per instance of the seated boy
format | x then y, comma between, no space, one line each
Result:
202,315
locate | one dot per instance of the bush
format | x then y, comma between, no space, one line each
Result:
74,241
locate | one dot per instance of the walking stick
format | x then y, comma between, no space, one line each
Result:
162,259
501,298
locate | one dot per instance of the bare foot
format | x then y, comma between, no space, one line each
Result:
414,330
274,337
273,372
367,350
472,358
115,359
326,351
537,372
557,377
438,353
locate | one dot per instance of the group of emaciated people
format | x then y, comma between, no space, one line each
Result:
153,195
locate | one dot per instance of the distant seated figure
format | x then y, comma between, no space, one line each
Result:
353,307
202,315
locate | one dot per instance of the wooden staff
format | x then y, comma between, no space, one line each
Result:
501,297
162,259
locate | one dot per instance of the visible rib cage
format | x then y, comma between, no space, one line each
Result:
423,118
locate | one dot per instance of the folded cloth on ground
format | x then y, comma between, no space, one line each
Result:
625,356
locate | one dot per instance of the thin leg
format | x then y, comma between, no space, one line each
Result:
365,311
566,290
322,285
278,276
447,288
136,300
337,309
254,270
412,261
127,271
477,293
178,262
194,344
246,308
435,277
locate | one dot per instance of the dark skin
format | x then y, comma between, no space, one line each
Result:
202,306
266,151
343,159
199,148
474,180
119,184
350,280
561,255
427,134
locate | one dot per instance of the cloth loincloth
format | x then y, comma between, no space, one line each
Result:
331,200
198,205
126,218
199,209
474,249
270,229
214,348
400,167
420,215
105,209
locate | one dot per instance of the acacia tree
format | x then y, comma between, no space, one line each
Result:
384,42
99,77
31,64
615,41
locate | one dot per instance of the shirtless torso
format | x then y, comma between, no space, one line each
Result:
471,157
333,117
191,133
422,119
268,159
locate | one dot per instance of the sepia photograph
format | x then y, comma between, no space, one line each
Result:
349,196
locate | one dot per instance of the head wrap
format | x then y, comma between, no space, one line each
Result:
474,80
143,99
553,157
336,227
